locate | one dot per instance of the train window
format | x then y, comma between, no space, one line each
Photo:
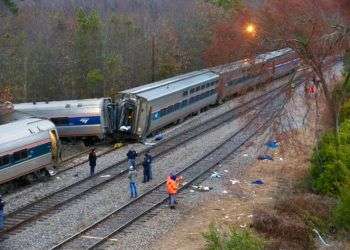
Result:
198,88
203,86
67,106
177,106
185,93
192,91
170,109
20,155
162,112
184,103
60,121
156,115
4,160
207,85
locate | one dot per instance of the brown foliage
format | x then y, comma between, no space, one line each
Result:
306,203
283,228
6,95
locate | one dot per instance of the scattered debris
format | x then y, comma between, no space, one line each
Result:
243,226
258,182
58,178
234,182
125,128
265,158
118,145
105,176
149,143
224,192
250,216
245,155
215,175
226,216
226,171
201,188
281,159
158,137
76,174
191,191
319,236
272,144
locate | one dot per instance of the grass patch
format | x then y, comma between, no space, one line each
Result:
234,239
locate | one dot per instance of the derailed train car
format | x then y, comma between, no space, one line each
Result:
148,108
75,118
27,145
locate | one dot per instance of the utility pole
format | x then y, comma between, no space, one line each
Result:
153,57
25,87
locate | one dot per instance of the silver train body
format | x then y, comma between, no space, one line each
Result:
148,108
26,146
74,118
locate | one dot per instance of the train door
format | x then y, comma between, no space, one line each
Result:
54,145
144,114
128,117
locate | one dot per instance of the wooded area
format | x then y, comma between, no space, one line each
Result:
52,50
62,49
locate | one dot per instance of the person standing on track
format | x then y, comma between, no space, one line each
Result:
147,172
172,186
2,217
132,181
131,157
92,161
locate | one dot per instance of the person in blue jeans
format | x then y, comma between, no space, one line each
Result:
2,219
132,181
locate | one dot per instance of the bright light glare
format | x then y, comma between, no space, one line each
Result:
250,28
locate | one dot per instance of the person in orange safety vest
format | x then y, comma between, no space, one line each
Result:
172,186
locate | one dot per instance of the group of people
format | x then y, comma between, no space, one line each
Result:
147,170
171,184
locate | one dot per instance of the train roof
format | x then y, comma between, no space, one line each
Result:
59,104
181,82
248,62
23,128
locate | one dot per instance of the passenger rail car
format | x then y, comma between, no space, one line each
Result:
146,109
241,75
26,146
75,118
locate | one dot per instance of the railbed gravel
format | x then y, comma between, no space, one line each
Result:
38,190
146,232
74,216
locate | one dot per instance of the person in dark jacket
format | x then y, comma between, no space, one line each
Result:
92,161
131,157
2,217
147,167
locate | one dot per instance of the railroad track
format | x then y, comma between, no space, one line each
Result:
67,160
32,211
98,233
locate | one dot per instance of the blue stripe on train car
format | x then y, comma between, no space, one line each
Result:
33,153
78,121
